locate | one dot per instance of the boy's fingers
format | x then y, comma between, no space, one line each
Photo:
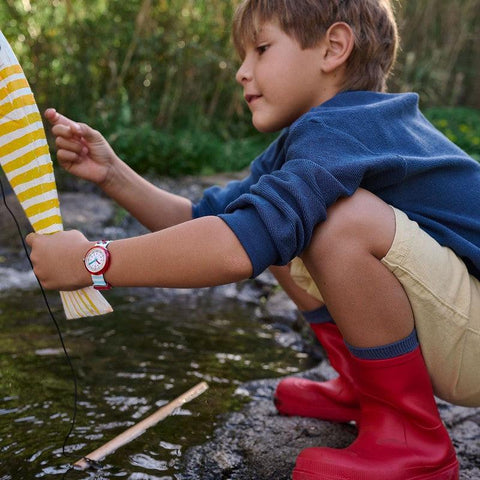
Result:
67,159
61,123
68,144
29,239
61,130
87,132
50,114
56,118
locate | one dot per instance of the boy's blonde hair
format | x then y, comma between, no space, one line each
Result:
372,22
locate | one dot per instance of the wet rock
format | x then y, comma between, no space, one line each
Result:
13,278
258,443
280,307
86,212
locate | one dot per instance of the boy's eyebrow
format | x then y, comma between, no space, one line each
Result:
261,30
252,33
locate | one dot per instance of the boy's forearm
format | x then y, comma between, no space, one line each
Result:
200,253
155,208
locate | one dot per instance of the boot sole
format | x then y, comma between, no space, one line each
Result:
450,472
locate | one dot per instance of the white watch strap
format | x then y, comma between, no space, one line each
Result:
103,243
99,280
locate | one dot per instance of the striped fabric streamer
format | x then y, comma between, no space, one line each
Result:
25,160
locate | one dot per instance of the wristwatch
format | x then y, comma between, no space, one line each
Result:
97,261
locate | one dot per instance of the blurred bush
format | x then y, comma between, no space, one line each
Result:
440,51
184,152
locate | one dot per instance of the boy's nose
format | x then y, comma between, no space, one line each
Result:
243,74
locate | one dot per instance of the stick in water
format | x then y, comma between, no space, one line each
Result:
138,429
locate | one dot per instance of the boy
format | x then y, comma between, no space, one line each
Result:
376,211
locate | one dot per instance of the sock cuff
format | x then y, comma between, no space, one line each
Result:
392,350
319,315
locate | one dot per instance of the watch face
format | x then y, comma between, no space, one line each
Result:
96,260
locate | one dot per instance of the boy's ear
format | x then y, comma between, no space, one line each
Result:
339,42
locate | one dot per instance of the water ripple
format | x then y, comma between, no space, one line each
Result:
145,461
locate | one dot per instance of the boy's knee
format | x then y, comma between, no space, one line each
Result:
356,224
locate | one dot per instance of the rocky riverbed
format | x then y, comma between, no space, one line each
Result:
255,443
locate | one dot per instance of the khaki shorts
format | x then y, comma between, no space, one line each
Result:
445,301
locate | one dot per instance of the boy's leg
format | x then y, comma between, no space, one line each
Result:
303,300
364,298
334,400
401,434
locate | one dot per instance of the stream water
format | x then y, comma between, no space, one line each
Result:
155,346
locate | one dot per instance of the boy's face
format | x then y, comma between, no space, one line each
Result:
281,81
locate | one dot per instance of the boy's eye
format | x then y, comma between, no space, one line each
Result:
262,48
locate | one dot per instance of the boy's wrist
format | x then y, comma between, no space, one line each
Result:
113,178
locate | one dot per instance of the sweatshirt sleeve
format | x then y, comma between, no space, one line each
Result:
275,220
215,199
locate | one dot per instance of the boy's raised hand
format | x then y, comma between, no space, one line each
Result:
81,150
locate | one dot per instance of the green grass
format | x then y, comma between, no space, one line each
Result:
460,125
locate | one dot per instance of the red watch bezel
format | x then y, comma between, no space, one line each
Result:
107,260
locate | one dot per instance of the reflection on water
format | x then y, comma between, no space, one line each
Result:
154,347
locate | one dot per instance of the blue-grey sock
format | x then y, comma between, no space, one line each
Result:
395,349
319,315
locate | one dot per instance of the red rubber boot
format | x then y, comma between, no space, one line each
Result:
334,400
401,435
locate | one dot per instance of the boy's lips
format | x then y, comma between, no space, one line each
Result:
251,98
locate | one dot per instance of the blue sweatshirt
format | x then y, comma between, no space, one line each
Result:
380,142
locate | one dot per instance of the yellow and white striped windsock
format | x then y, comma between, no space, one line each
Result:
25,160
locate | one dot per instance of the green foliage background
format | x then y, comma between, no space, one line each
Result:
157,76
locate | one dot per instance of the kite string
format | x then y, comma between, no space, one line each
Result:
52,316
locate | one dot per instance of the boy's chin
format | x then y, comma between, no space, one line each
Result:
267,127
270,124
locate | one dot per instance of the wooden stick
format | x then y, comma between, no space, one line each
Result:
138,429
